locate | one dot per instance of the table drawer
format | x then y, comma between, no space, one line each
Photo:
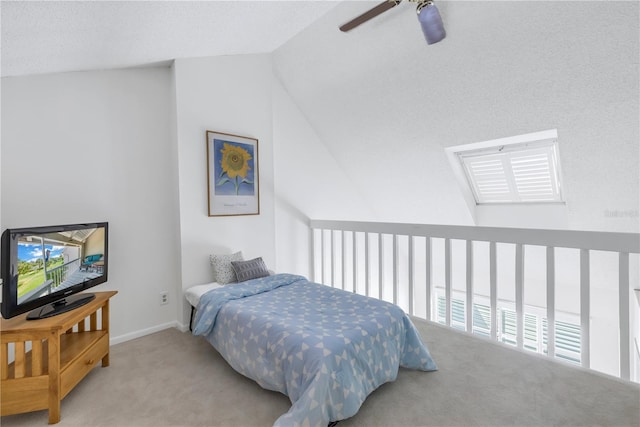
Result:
77,369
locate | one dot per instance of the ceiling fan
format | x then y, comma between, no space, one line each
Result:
428,15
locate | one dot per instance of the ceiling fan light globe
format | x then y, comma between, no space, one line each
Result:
431,23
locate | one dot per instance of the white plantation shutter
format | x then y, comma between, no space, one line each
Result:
488,177
522,173
535,175
567,335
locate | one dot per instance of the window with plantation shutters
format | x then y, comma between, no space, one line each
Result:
519,173
567,335
567,342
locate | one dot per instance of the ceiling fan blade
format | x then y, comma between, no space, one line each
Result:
372,13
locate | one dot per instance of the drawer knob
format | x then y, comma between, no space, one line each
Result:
90,362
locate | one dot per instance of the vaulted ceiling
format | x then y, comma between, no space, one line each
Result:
55,36
386,104
383,102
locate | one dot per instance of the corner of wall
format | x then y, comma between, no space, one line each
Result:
229,94
180,313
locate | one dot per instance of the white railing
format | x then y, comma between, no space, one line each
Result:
344,255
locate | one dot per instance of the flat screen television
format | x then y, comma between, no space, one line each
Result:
43,269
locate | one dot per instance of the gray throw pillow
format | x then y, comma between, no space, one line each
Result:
252,269
222,271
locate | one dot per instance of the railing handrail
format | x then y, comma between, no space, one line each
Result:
577,239
623,244
63,265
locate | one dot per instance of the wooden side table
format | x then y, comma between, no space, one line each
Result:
41,361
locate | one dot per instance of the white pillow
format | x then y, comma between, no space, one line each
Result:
222,270
194,293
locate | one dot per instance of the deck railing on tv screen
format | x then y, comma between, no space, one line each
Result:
59,274
397,262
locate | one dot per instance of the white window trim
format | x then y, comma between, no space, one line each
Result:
452,153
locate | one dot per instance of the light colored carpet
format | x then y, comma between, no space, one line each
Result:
172,378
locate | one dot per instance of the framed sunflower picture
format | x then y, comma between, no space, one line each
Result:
232,174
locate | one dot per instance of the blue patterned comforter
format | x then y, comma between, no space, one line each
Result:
325,348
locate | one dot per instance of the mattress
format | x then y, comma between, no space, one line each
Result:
194,293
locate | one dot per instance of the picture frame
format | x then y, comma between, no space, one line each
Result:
233,185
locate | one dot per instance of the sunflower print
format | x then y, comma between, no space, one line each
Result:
235,167
235,161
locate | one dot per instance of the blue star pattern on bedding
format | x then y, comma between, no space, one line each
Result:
325,348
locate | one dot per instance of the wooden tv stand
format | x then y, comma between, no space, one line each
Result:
64,348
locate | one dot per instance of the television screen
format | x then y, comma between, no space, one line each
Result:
44,265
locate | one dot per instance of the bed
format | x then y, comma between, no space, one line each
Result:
325,348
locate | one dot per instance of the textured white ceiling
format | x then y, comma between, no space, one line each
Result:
385,103
52,36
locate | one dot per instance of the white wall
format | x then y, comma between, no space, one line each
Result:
549,216
1,228
96,146
134,143
230,94
386,104
356,131
309,184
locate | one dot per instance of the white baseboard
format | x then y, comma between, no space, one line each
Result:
182,327
143,332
